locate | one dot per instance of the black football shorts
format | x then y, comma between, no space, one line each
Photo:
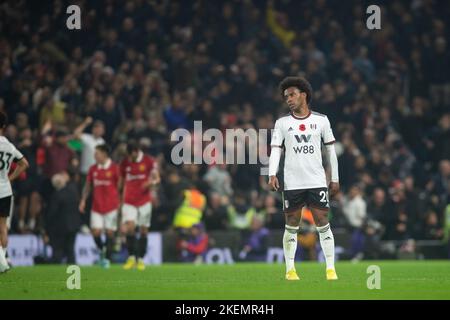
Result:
5,206
296,199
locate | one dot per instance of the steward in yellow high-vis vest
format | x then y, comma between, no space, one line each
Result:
240,220
191,209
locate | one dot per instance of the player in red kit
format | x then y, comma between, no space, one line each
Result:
139,173
102,180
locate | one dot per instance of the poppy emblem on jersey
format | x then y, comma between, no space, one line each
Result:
142,167
302,127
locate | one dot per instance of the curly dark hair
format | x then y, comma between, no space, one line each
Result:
299,82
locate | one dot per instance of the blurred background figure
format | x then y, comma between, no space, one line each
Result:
191,209
255,242
58,156
139,176
194,247
219,180
354,208
102,182
240,212
89,141
187,214
216,215
271,212
63,218
307,237
432,229
447,228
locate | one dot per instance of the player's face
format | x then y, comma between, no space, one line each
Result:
294,98
100,157
134,155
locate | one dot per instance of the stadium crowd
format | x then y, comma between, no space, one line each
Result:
137,70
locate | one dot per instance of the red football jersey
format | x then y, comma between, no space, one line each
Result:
104,181
135,175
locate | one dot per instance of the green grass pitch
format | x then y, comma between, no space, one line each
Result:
399,280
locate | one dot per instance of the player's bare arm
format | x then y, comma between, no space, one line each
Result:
155,177
333,188
120,187
274,183
22,165
85,194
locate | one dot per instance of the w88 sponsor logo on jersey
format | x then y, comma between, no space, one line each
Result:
304,149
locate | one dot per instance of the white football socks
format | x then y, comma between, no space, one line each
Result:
3,262
327,244
290,246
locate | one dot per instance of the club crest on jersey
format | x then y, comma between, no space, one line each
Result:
290,129
108,174
313,126
142,167
302,127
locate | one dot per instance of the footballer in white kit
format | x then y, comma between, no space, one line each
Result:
8,154
301,134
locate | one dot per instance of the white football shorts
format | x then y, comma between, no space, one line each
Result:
141,215
106,221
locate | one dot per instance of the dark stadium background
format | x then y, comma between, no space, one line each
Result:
146,68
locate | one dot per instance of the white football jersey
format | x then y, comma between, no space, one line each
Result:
302,139
8,153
